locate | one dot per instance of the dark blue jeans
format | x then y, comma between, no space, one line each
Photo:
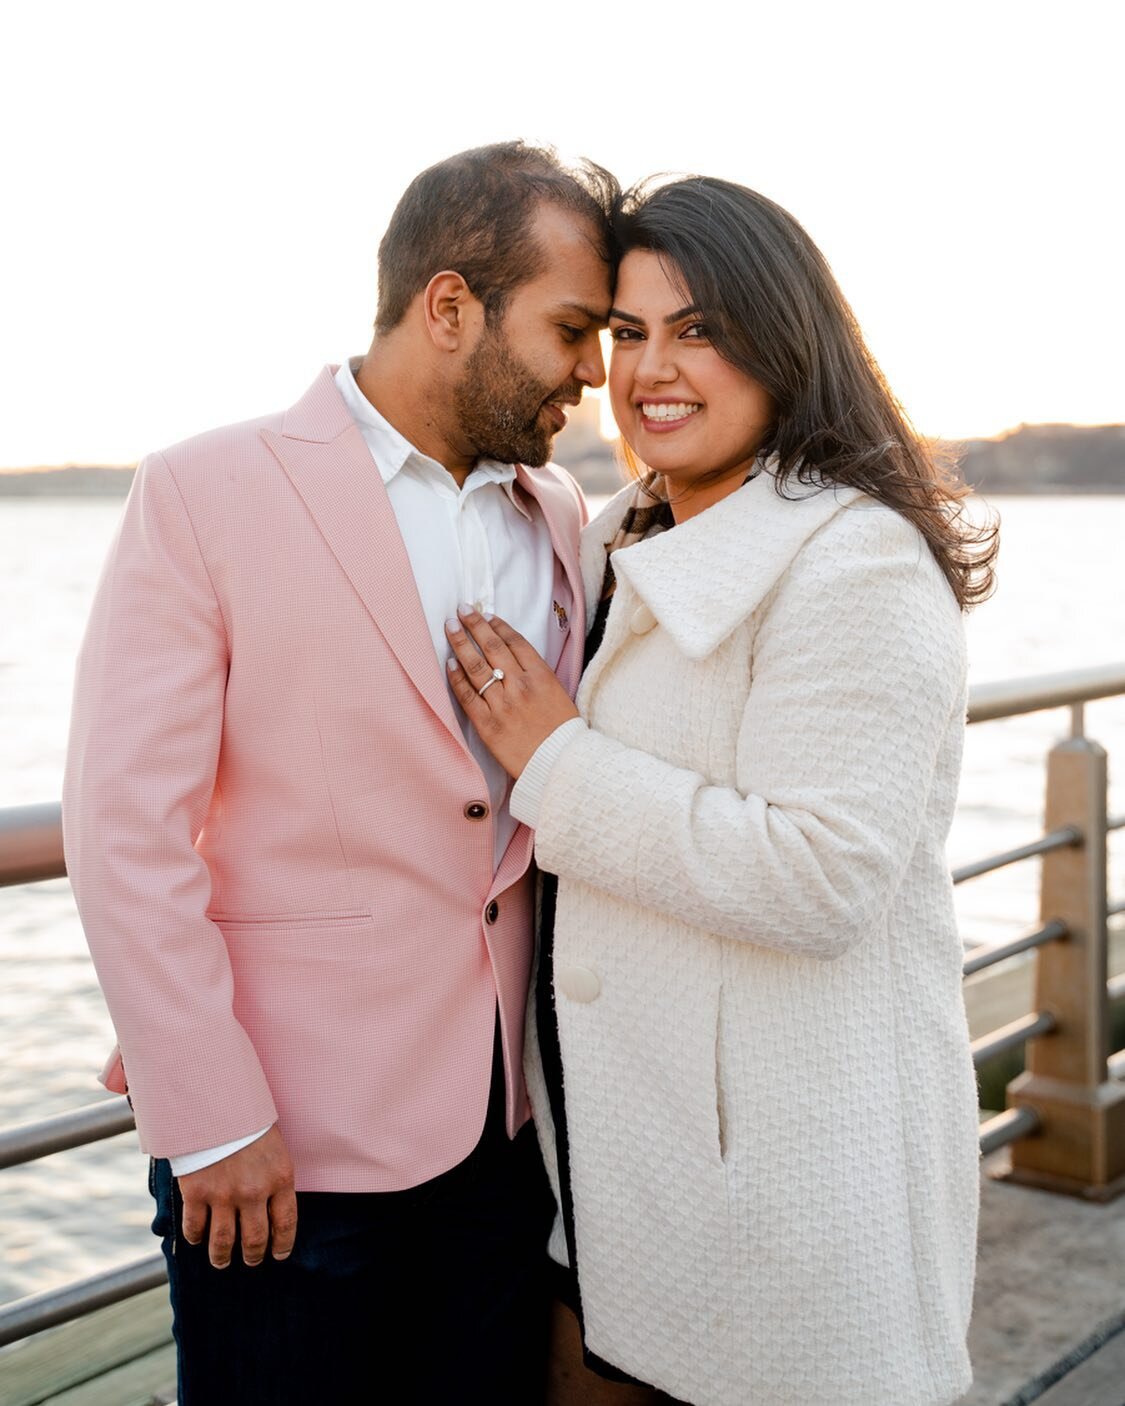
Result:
436,1295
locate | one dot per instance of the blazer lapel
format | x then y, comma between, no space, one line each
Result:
562,515
325,457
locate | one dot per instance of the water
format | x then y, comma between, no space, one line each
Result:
1059,605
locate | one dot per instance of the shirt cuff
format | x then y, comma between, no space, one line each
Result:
196,1161
527,793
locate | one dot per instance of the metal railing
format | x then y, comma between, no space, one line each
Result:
27,1316
1066,1119
1068,1057
30,1141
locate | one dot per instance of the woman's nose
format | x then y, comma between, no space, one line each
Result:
654,366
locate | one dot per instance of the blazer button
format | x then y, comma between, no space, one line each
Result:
579,983
642,620
492,912
476,810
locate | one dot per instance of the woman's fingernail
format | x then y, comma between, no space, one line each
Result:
464,610
452,665
488,615
453,626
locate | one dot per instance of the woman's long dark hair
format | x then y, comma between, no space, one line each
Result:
775,311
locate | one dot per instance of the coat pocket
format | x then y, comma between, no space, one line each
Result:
323,1003
720,1103
296,921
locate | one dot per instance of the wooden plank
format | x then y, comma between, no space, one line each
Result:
145,1381
1099,1381
49,1363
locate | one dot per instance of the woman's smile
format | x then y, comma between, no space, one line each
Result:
660,416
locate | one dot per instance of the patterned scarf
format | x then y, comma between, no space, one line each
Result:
648,513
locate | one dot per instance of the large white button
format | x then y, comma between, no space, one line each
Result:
642,620
578,983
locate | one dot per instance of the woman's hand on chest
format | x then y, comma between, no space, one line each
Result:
507,690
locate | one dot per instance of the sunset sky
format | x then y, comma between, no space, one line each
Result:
193,194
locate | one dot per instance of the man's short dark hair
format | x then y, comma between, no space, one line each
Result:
473,212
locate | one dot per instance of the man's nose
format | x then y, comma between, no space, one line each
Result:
591,369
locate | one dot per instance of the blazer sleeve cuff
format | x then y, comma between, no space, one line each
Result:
527,794
196,1161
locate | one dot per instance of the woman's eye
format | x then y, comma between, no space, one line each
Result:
696,329
624,334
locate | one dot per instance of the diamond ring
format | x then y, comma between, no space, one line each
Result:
497,677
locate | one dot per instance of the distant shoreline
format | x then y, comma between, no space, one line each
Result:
69,482
1032,460
114,484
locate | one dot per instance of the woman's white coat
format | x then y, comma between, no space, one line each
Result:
769,1092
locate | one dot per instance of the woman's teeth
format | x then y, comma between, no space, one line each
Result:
678,411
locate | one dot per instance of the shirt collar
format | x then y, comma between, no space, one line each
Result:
392,451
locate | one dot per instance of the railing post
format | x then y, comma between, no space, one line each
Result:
1081,1148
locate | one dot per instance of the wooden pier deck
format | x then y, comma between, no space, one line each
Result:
1048,1326
1048,1323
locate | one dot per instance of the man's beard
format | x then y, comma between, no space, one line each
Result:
498,400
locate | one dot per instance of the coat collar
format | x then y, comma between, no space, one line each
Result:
702,578
320,414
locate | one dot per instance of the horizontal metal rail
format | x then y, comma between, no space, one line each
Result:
1007,1127
1067,838
31,845
31,850
46,1310
1006,699
1116,907
1117,1065
1011,1035
30,1141
1054,931
1115,988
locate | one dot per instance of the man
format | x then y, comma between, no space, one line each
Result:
309,908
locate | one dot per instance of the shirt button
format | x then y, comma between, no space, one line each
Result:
492,912
579,983
642,620
476,810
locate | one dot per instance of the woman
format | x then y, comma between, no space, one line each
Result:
767,1150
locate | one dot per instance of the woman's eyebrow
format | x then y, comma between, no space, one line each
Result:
672,317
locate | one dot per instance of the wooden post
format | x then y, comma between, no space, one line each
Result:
1081,1147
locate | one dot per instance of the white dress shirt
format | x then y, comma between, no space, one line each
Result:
485,544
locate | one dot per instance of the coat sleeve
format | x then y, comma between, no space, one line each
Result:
857,677
144,744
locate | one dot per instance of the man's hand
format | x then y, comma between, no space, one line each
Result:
249,1193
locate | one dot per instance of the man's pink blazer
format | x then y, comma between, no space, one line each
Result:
269,815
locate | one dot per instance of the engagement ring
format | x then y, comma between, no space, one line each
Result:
497,677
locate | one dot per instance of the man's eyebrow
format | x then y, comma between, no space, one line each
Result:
591,314
669,321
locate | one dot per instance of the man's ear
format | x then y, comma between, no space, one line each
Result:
453,315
